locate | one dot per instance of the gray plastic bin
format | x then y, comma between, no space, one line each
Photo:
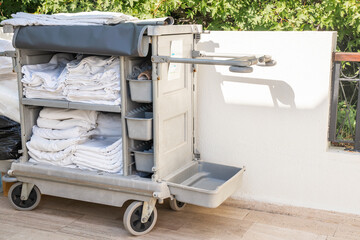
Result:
140,126
144,161
205,184
140,90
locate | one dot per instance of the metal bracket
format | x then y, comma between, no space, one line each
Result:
197,155
197,37
196,54
8,179
11,54
263,60
148,208
8,29
25,190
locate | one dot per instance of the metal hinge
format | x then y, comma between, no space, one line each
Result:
196,54
197,37
197,155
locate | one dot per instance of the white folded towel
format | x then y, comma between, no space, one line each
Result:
50,76
101,144
54,134
100,157
116,168
93,79
63,124
43,144
82,18
51,156
30,92
64,163
64,114
109,124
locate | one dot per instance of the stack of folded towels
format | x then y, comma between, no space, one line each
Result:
92,79
78,139
46,80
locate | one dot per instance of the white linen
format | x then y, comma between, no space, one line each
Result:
92,79
63,124
69,139
41,93
109,124
82,163
63,114
54,134
82,18
51,156
101,145
47,75
48,145
63,163
103,154
97,157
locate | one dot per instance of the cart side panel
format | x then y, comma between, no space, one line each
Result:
173,116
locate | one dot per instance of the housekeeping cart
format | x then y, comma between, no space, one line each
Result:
158,113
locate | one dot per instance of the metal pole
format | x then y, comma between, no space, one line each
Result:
357,126
166,59
334,101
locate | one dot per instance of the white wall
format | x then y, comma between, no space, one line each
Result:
275,121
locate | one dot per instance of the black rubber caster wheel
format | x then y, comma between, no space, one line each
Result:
176,205
132,219
32,202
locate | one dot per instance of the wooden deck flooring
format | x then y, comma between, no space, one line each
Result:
58,218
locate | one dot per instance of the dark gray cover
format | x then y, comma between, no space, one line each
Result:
126,39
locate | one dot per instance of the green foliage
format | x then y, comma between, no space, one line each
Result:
346,121
342,16
273,15
286,15
9,7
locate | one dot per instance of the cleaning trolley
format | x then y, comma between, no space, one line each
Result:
149,143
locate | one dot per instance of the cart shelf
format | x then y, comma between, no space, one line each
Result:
70,105
52,175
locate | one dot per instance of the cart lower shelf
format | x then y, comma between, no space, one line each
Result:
200,183
85,185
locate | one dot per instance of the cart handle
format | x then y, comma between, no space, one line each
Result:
166,59
237,63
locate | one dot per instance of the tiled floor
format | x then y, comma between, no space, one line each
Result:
58,218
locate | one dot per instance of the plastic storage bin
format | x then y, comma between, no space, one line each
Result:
205,184
139,126
144,161
140,90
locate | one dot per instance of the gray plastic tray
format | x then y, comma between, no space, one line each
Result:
144,161
205,184
140,90
140,126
